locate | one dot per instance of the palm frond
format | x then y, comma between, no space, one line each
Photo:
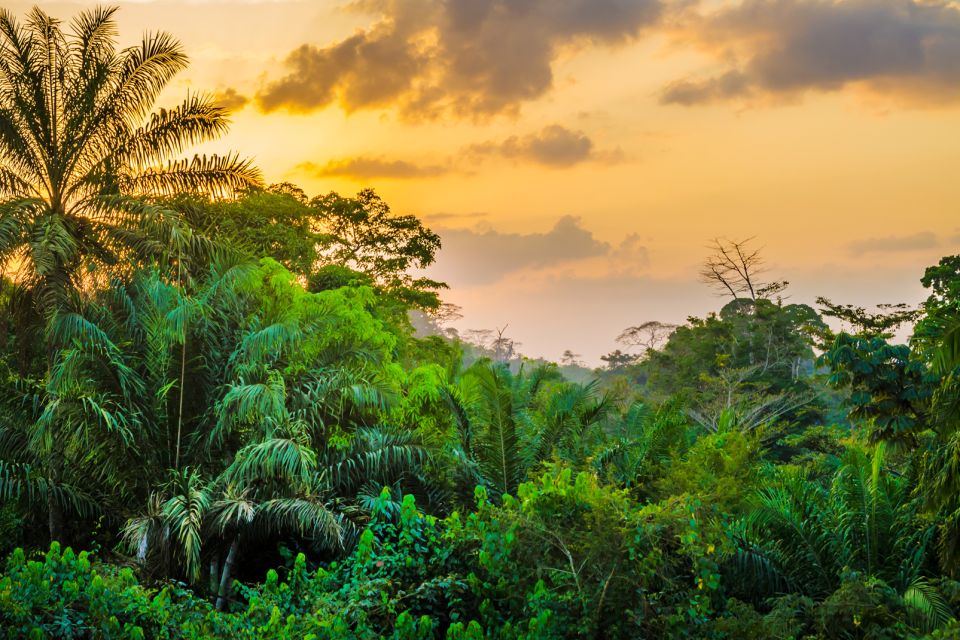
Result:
926,606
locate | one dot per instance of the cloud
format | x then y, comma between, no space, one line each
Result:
468,58
364,168
905,49
631,256
914,242
441,216
230,99
472,257
553,146
482,256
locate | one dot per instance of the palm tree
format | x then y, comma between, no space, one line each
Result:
81,156
80,152
507,427
276,486
802,537
940,458
641,441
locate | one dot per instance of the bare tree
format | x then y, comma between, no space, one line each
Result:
504,348
571,359
479,337
494,343
736,268
649,336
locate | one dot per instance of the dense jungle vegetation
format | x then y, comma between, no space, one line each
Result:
217,419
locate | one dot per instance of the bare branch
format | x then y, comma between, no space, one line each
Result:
734,268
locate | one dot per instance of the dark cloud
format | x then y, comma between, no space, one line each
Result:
914,242
782,48
471,257
366,70
554,146
363,168
231,100
731,84
462,57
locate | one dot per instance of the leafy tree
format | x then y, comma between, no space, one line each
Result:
648,336
752,362
361,234
891,389
866,324
618,360
941,309
275,222
639,444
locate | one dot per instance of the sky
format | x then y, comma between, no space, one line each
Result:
578,157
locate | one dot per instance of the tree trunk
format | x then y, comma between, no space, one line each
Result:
54,508
183,380
214,573
224,593
54,468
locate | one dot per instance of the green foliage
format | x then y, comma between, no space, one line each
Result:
63,595
804,537
219,386
643,442
890,388
83,153
721,467
330,241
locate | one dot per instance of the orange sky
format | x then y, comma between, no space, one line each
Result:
578,155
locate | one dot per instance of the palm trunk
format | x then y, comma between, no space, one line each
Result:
224,593
214,573
54,466
54,509
183,380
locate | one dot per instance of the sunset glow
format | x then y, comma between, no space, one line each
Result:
584,153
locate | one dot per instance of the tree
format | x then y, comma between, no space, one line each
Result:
617,359
493,343
754,361
803,537
81,155
504,348
941,309
361,233
328,241
510,423
639,443
275,222
865,324
648,336
736,268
